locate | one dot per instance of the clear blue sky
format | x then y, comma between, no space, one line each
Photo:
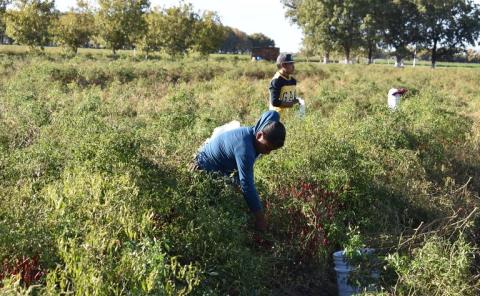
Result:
250,16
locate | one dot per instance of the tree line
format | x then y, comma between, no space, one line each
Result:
123,24
443,27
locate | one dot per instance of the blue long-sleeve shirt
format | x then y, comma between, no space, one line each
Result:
235,151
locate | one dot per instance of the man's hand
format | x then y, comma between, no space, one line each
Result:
260,222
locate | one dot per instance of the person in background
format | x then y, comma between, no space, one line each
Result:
283,85
235,152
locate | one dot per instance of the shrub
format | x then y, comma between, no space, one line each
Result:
93,156
439,267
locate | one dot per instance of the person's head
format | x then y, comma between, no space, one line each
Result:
285,63
271,137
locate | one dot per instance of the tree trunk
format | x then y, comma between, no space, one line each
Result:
434,54
347,55
326,57
398,62
415,57
370,55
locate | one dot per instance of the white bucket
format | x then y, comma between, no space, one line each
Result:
343,269
301,108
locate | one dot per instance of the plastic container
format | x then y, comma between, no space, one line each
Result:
301,108
343,270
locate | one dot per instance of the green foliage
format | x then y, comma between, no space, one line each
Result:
402,20
313,18
439,267
260,40
116,25
73,29
178,29
3,9
120,23
151,40
96,195
208,34
29,24
364,263
330,23
112,223
347,25
235,41
371,30
177,25
450,24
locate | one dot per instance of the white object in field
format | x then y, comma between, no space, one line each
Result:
394,95
301,108
271,107
220,130
343,270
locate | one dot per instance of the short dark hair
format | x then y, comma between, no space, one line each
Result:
274,132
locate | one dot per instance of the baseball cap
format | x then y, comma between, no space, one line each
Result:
285,58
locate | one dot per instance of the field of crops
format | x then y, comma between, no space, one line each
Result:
97,199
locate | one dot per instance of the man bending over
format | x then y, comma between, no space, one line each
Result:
235,152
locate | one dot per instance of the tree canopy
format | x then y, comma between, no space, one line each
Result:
178,23
30,22
120,22
3,9
449,24
208,33
397,25
74,28
260,40
124,24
